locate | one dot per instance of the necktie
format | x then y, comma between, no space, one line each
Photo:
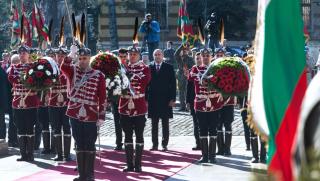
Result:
158,67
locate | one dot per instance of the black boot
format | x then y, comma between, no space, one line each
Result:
138,157
118,147
263,152
22,141
204,150
52,143
212,149
246,129
58,144
30,148
197,147
66,146
37,136
247,138
254,148
227,145
81,166
220,141
46,142
89,165
129,157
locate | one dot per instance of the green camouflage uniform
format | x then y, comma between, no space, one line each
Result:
182,61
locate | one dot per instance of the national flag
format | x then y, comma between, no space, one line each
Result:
27,27
280,81
184,30
39,20
35,35
14,18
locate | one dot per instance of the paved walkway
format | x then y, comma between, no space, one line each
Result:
235,167
180,125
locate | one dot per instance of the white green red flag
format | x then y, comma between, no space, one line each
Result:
280,82
35,34
26,27
184,30
15,31
39,28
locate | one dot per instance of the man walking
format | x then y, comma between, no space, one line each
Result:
161,98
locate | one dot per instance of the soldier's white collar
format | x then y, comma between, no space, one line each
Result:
135,64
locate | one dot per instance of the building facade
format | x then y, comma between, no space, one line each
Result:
164,11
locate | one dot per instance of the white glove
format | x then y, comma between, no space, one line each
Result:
100,123
73,51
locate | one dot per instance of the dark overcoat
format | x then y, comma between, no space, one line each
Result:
161,89
5,92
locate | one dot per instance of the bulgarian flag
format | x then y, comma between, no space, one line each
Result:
35,35
280,81
15,24
184,30
27,27
39,20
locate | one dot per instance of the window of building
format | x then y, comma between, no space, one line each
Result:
159,11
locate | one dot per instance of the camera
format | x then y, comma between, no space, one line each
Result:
210,26
146,22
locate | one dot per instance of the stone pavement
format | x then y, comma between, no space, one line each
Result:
180,125
236,167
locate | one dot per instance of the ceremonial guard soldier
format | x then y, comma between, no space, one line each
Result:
86,107
123,55
25,103
226,116
253,136
43,117
58,101
132,109
206,104
190,104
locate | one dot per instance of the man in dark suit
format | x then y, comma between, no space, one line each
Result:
161,97
6,101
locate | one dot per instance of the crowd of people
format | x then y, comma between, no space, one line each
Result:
77,105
